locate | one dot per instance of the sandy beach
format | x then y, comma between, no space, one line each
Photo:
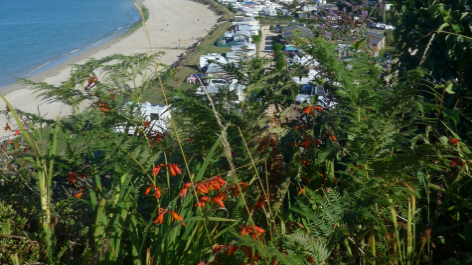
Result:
182,17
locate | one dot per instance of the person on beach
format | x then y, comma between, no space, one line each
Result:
193,79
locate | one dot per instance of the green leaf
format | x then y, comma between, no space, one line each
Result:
207,160
434,186
467,234
457,28
443,140
358,44
464,15
322,155
451,114
443,26
449,89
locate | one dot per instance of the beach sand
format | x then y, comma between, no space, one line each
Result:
181,15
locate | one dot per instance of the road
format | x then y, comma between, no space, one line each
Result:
266,45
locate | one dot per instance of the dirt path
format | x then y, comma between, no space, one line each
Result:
266,44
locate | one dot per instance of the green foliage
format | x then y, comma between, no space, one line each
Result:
278,47
271,27
389,38
15,241
257,38
379,178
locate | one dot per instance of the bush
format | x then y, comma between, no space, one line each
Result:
389,38
280,64
14,241
278,47
272,27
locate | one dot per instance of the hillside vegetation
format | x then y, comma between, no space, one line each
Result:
384,177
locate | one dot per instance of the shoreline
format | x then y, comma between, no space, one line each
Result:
169,23
88,52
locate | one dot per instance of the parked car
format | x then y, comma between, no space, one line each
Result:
322,102
218,82
277,28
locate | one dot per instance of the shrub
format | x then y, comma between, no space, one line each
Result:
14,241
272,27
389,38
278,47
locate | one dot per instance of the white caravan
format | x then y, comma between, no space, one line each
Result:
204,59
156,115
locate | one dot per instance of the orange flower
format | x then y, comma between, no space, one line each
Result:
232,250
317,142
311,260
304,127
307,109
171,169
202,188
305,163
236,190
305,144
252,230
218,249
302,190
332,137
219,199
215,183
155,170
176,169
183,192
7,127
160,216
259,204
202,201
148,189
157,193
146,124
104,107
11,141
17,132
78,195
177,217
455,141
453,163
220,180
319,108
72,177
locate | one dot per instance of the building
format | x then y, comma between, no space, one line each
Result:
309,7
376,42
291,32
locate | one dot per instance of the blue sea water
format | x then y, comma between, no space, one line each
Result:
39,34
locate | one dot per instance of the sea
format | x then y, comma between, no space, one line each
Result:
36,35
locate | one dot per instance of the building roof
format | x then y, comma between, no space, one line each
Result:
329,6
374,42
375,35
288,32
